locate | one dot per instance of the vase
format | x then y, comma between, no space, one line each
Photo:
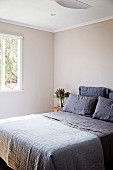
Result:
61,102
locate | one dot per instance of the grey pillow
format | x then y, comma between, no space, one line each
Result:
93,91
80,104
111,95
104,109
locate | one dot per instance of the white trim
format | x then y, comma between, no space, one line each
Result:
21,62
3,63
26,25
11,91
85,24
10,35
57,30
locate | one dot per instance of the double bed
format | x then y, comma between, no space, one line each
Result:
102,129
57,141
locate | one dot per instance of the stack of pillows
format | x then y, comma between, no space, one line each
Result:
96,102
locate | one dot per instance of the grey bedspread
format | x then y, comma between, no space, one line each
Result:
102,129
37,143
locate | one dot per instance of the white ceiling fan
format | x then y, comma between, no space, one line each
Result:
74,4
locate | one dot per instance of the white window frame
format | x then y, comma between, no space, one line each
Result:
3,36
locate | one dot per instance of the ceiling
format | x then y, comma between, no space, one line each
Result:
37,14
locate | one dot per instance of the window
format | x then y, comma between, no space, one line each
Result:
10,62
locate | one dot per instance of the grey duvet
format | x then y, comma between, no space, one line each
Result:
37,143
102,129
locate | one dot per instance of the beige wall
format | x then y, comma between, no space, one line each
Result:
84,56
37,74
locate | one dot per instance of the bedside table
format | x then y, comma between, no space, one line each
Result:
56,109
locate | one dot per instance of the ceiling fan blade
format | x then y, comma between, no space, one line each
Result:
75,4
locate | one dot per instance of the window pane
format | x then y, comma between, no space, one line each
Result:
11,63
0,60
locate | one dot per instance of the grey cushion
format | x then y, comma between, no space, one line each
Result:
111,95
104,109
80,104
93,91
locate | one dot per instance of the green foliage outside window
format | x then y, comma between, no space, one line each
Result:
10,61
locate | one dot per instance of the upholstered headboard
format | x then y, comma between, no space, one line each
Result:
94,91
111,95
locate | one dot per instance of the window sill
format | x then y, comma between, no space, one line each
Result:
11,91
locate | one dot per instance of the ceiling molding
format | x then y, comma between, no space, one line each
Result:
25,25
58,30
85,24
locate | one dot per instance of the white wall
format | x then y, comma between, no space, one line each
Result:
84,56
37,95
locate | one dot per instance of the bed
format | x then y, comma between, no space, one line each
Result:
102,129
65,140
